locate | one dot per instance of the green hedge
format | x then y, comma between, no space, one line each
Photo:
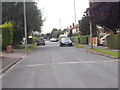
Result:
7,34
34,39
75,39
80,39
83,39
113,41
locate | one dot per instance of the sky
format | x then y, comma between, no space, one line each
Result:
56,11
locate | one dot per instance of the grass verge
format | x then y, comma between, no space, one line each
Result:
78,46
108,52
30,47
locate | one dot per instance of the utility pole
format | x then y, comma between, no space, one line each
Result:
91,38
60,24
75,11
25,26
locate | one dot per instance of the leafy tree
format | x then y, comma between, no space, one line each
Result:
55,33
85,27
105,14
13,11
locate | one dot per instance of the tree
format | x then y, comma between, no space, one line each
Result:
85,27
105,14
13,11
55,33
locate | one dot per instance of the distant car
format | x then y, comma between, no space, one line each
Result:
40,41
53,40
65,41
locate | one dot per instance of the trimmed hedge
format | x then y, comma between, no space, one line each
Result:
83,39
34,39
113,41
7,34
80,39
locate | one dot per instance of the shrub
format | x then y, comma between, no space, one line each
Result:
34,39
83,39
80,39
75,39
113,41
7,34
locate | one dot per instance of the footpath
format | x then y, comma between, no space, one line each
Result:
9,59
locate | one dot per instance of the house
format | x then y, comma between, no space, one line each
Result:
73,28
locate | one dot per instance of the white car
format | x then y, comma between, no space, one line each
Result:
65,41
53,40
102,40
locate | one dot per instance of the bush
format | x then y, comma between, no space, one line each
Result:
83,39
75,39
34,39
7,34
113,41
80,39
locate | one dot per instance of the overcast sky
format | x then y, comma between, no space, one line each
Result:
54,10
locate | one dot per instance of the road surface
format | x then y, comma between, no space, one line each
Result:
51,66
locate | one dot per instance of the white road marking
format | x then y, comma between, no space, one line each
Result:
62,63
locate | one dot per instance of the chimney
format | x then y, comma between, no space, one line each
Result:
73,24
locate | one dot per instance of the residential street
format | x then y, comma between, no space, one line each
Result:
51,66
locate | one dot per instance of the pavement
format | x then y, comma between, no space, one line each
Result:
51,66
8,59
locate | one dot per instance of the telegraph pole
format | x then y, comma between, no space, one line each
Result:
91,38
75,11
60,24
25,26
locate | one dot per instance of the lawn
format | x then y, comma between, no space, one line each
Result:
108,52
78,46
30,47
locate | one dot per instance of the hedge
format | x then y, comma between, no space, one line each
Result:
113,41
75,39
80,39
34,39
84,39
7,34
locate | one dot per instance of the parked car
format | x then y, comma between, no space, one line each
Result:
65,41
102,40
40,41
53,40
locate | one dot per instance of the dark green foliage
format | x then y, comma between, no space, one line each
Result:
83,39
56,33
80,39
113,41
105,14
7,34
13,11
75,39
85,27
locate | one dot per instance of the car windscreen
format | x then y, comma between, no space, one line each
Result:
40,39
65,39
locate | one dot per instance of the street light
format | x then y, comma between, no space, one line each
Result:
25,26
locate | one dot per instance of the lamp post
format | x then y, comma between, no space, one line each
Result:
25,26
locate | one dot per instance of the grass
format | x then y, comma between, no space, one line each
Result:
30,47
78,46
108,52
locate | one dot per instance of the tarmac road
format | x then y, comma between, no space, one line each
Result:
51,66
